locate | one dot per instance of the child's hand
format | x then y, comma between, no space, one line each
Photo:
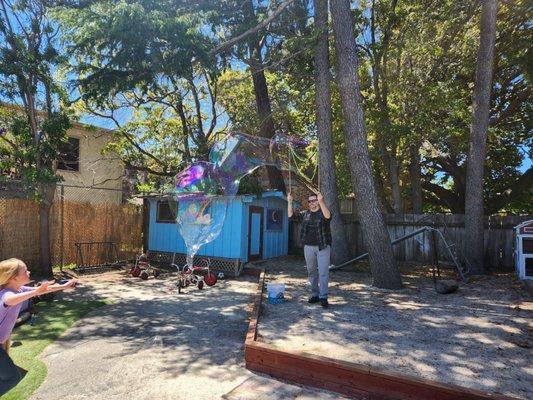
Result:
43,287
70,284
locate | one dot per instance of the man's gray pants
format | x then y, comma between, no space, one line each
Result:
317,262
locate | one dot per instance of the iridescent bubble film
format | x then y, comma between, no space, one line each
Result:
204,190
298,156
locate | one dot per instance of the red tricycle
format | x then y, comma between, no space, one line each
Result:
143,268
197,275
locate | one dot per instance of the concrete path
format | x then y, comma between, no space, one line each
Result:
152,344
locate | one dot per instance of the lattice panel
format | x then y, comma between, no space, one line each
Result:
230,266
161,257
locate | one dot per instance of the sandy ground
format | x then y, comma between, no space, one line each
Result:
152,343
479,337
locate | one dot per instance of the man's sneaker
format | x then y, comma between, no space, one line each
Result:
313,300
324,303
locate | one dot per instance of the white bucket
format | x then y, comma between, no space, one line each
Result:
276,292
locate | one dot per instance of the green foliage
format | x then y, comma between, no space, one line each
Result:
430,62
144,44
23,156
29,59
291,105
155,59
152,62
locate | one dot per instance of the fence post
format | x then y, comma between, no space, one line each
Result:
62,206
434,248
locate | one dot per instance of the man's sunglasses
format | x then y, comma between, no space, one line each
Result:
312,201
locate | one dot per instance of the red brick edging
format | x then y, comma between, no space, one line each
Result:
355,380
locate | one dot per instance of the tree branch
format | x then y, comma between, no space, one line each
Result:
522,184
447,197
197,105
148,169
253,30
126,135
213,98
510,109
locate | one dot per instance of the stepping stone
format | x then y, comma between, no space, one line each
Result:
259,387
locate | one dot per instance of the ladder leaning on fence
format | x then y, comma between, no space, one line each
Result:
458,258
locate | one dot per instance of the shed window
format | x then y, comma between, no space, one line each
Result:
166,211
69,155
527,246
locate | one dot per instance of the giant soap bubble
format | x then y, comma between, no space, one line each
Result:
204,190
297,156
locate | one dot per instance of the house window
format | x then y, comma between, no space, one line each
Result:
69,155
166,212
346,206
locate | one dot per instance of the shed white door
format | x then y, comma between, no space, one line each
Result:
525,257
255,233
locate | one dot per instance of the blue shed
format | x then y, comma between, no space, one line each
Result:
255,228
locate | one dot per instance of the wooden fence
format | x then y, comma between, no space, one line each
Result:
70,222
499,239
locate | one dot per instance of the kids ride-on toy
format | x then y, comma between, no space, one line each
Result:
143,268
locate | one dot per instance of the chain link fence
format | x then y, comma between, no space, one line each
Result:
80,218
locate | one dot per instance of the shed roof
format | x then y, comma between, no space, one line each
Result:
249,197
525,223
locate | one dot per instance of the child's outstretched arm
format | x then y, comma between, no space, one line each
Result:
46,287
67,285
14,299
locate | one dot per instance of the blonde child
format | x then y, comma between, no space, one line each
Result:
13,276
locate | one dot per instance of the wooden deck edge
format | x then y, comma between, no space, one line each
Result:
252,271
251,335
358,381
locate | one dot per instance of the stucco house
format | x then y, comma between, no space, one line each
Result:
98,178
88,175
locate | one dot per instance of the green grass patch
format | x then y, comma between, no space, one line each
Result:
57,268
52,320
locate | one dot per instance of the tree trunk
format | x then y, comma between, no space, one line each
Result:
478,138
381,91
267,128
328,185
382,195
385,272
397,201
389,158
47,192
416,185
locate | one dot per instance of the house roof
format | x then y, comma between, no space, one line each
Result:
75,124
249,197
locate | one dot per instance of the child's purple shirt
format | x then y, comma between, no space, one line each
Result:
9,314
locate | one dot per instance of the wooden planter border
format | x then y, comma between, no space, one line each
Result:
355,380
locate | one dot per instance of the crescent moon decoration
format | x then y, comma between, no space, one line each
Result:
274,216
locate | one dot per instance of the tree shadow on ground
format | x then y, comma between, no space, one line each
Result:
178,333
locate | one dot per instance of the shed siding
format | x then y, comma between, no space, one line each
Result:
233,239
165,236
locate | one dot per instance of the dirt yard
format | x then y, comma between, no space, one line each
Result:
479,337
